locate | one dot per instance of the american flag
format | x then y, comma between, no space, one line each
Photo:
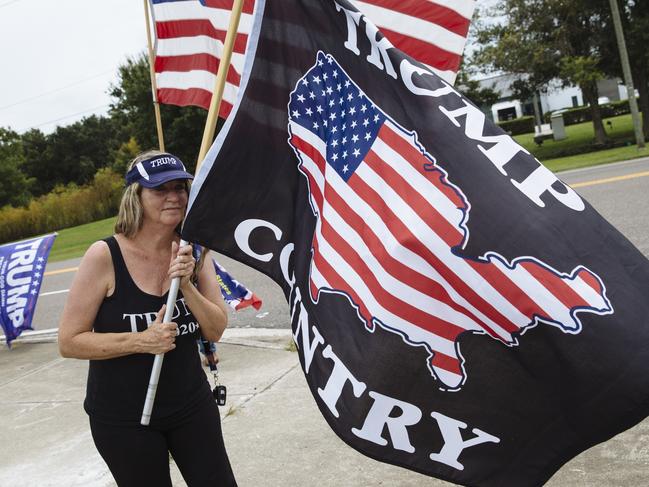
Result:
235,294
390,227
190,36
189,45
433,32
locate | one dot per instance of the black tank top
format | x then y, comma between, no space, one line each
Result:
117,387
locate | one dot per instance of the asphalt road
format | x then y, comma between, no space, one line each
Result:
620,192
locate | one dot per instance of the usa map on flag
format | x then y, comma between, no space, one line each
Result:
390,227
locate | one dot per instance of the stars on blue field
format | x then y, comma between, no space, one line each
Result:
327,103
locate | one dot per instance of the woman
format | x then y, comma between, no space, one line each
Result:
113,317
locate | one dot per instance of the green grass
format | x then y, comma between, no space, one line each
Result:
596,158
579,138
73,242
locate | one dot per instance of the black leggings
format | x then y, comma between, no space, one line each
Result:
138,455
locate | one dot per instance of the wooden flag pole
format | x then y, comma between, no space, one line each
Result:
219,85
154,86
628,77
208,135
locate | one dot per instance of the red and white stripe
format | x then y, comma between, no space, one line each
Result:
189,46
385,238
433,32
190,37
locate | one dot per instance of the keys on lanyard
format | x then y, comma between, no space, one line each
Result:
219,392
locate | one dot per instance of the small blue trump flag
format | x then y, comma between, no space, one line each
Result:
21,271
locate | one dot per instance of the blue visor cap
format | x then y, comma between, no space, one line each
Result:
157,170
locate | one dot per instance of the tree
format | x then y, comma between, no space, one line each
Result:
635,21
71,154
542,40
124,155
36,151
637,34
481,96
132,108
14,185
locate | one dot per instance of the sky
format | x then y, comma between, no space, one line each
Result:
58,58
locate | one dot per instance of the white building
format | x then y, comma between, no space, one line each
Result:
555,98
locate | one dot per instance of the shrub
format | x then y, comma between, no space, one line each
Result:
64,207
572,116
577,115
618,108
518,126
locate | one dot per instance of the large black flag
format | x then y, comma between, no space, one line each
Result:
458,310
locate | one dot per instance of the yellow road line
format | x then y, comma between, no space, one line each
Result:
610,180
61,271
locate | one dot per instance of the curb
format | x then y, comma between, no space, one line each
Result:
274,338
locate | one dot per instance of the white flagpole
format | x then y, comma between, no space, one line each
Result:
210,125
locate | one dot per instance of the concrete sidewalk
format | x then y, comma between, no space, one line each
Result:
273,430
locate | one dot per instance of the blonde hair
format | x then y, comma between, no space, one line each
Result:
130,215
